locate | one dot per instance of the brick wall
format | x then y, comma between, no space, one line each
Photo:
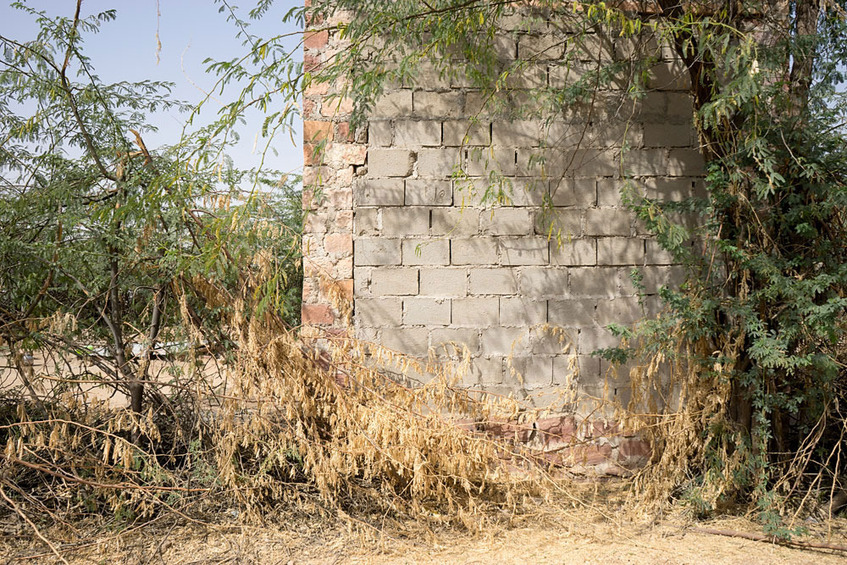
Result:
401,226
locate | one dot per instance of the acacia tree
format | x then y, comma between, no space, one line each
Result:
102,240
760,324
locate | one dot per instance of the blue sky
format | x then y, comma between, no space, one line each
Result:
189,31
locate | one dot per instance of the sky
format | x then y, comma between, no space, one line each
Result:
190,31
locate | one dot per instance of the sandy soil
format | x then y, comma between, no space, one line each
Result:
578,537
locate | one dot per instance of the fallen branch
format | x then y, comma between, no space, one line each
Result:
770,539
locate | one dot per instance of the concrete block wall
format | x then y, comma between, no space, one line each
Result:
404,226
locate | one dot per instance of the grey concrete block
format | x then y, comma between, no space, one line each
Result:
437,104
390,162
380,133
378,192
378,312
685,163
438,163
426,252
459,133
572,313
520,311
680,108
415,134
566,371
553,341
393,104
366,221
474,251
479,162
469,337
573,252
669,75
623,310
645,162
487,371
476,312
524,251
538,282
669,135
597,282
392,281
455,222
411,341
406,221
376,251
609,192
620,251
592,339
426,311
493,281
505,341
559,223
608,221
580,193
656,255
506,221
362,281
531,372
444,281
541,47
424,192
656,277
518,133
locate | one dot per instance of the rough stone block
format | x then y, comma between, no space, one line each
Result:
426,252
594,282
476,312
426,312
574,252
519,311
537,282
444,282
620,251
411,341
438,163
386,282
459,133
506,221
531,372
380,133
423,192
608,221
437,104
454,222
409,133
390,162
474,251
378,312
571,313
393,104
377,251
493,281
524,251
405,221
378,192
505,341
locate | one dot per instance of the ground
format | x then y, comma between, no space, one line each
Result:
573,536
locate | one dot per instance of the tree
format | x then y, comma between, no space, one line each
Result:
102,238
760,324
